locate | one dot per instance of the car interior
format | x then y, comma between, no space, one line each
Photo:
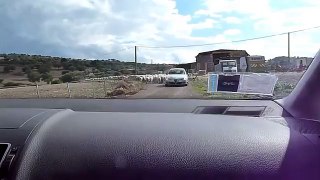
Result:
164,138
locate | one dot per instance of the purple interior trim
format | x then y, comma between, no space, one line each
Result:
304,100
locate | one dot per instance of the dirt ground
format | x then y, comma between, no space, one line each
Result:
197,89
159,91
77,90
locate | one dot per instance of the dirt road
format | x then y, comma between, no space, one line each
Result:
155,91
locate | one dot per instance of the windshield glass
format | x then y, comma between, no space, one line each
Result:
176,71
129,49
228,64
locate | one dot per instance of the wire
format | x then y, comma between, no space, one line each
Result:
226,42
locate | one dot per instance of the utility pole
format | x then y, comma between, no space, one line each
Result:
135,59
289,46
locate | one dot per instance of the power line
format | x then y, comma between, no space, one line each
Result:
226,42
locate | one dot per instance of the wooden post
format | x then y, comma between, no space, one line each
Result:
69,91
37,87
105,88
92,89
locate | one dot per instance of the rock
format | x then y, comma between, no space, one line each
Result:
117,92
122,84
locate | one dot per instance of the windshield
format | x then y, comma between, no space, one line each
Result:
129,49
176,71
228,64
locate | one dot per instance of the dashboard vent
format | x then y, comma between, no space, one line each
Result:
210,109
4,148
254,111
245,111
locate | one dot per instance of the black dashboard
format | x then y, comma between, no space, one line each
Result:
155,139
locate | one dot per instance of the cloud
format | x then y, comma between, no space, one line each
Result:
206,24
232,20
254,9
102,29
232,32
94,28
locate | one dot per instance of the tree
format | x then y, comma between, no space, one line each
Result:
44,68
64,72
124,71
34,77
69,77
26,69
71,68
81,68
117,73
57,64
9,68
46,77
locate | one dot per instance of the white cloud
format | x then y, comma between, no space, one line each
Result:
232,20
253,8
206,24
94,28
232,32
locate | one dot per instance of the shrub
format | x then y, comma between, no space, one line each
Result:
34,76
26,69
117,73
9,68
57,81
46,77
73,76
64,72
1,80
18,74
11,84
45,68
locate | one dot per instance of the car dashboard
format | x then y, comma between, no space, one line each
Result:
155,139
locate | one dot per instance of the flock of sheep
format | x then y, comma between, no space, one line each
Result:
148,78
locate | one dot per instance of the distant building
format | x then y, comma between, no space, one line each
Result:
256,63
283,63
207,60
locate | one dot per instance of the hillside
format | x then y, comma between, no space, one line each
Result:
22,68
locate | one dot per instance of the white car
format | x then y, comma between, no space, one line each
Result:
176,76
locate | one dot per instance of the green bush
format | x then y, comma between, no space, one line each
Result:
34,76
1,80
72,76
9,68
18,74
57,81
46,78
64,72
27,69
45,68
11,84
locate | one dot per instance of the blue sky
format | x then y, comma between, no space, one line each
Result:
102,29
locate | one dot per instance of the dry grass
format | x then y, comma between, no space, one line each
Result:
285,84
77,90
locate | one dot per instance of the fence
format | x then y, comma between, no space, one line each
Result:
84,89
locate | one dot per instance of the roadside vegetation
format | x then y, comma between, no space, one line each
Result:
85,89
285,84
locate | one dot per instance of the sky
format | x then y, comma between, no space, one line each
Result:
109,29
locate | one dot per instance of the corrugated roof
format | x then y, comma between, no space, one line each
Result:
220,51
